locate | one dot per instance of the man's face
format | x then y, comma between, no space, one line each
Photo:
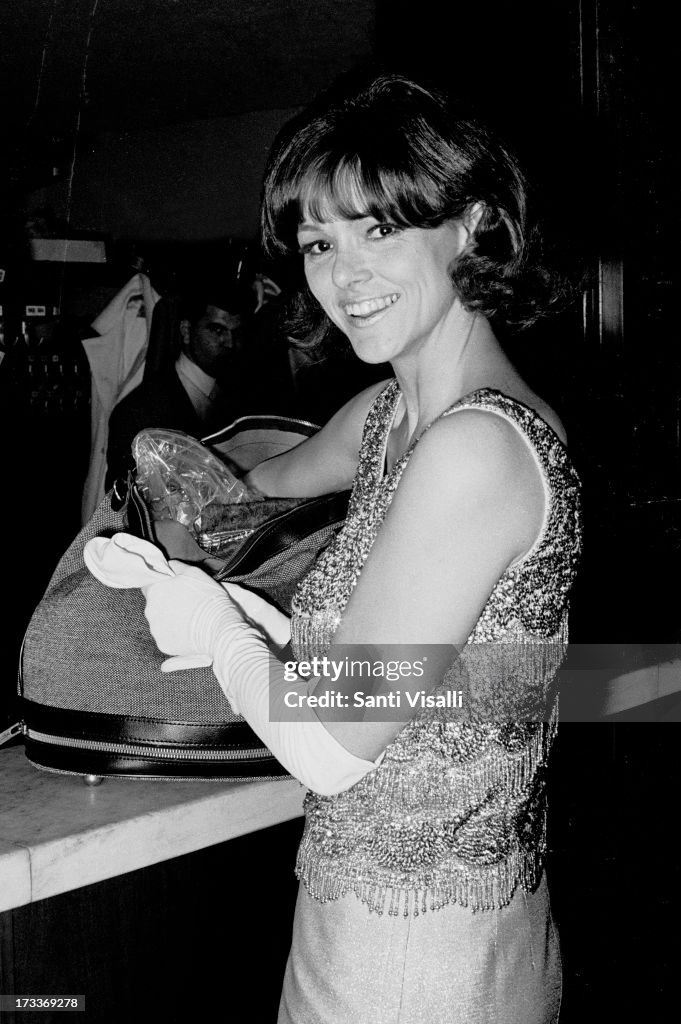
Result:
213,340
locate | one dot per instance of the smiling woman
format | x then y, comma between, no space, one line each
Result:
423,895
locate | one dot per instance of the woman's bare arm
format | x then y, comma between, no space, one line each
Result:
323,463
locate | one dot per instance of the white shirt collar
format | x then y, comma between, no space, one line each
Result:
186,368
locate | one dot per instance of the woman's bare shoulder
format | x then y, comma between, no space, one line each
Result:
474,443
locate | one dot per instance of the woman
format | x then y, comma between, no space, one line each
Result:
423,895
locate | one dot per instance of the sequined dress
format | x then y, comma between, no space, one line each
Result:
455,814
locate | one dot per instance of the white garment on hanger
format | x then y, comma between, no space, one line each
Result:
116,357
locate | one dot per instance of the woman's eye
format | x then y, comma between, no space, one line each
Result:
318,248
383,230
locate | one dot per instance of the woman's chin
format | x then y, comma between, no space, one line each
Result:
369,349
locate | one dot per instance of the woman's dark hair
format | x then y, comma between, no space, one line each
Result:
397,151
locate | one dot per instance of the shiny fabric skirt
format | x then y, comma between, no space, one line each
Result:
449,966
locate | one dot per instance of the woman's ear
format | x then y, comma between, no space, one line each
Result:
467,225
472,218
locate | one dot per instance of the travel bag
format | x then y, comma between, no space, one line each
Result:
94,700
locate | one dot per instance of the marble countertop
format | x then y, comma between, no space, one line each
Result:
640,686
57,834
587,696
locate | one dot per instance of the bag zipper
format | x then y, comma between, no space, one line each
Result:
171,753
212,542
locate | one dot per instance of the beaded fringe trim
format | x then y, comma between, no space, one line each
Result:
478,888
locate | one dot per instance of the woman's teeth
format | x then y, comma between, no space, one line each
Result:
370,306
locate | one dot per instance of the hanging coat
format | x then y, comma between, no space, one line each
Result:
116,357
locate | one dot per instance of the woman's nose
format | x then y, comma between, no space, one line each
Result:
350,267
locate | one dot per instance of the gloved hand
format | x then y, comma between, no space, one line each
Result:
188,612
184,612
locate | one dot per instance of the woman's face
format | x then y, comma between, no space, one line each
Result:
386,287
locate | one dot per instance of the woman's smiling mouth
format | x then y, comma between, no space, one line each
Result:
368,307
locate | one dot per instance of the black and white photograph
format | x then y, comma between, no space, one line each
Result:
340,414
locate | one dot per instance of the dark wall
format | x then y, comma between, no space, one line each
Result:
185,182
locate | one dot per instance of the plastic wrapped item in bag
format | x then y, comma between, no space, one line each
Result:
180,479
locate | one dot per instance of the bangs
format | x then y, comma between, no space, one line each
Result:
347,186
347,190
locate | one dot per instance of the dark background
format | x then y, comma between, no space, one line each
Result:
147,124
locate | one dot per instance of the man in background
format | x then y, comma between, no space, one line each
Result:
204,389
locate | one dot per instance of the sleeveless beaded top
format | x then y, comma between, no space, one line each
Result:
456,811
